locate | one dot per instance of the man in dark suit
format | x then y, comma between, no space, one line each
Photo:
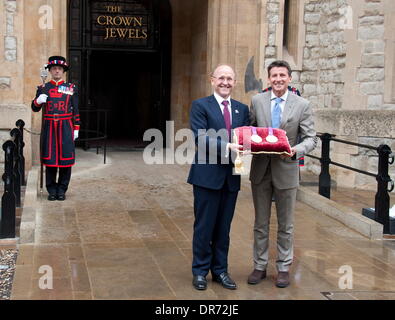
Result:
215,187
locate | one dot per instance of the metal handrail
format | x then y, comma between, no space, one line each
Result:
386,158
14,178
99,136
100,133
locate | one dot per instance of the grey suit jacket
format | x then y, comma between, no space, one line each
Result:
296,120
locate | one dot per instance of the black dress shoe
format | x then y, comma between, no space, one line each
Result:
52,197
199,282
225,280
61,197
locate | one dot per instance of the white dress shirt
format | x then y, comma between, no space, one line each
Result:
282,104
220,100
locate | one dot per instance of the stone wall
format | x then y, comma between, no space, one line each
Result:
344,69
10,39
199,71
273,23
324,54
11,62
11,51
370,74
343,60
367,127
189,57
181,61
4,136
348,55
236,34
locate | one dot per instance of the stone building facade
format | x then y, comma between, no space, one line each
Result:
342,53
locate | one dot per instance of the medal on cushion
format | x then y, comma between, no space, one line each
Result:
255,138
271,137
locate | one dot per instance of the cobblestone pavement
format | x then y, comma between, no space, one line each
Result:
7,268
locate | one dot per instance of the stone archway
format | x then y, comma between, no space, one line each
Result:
120,52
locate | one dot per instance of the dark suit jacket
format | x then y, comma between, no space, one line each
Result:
211,169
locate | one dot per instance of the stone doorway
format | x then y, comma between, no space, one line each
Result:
128,86
120,52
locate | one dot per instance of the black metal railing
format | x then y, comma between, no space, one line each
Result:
14,179
20,124
386,157
94,130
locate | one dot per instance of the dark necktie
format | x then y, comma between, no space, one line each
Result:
227,116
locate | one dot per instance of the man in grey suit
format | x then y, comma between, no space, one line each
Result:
275,174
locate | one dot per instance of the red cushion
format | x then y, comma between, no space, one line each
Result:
242,136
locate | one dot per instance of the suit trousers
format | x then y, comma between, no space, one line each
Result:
62,185
214,211
285,205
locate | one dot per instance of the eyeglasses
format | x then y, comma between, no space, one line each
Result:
223,79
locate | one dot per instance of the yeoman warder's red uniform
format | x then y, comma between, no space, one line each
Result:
61,118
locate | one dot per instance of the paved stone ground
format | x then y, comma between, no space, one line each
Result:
125,232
